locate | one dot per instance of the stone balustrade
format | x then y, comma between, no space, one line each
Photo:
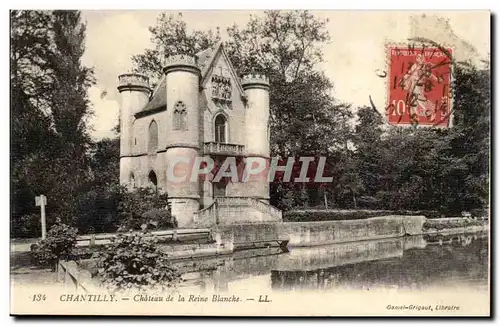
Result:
223,149
207,216
266,208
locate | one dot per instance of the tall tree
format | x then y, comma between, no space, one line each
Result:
305,119
367,141
70,104
171,36
31,82
31,132
287,47
470,136
49,108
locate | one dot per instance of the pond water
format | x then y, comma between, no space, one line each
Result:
416,262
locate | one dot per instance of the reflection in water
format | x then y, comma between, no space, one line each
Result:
411,262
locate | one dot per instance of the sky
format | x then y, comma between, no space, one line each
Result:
353,55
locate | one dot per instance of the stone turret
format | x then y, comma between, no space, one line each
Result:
134,91
255,81
183,133
256,88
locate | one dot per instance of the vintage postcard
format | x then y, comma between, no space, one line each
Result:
250,163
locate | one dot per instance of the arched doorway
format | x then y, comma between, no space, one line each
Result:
153,181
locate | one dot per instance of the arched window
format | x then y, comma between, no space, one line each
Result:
153,181
220,129
180,116
153,137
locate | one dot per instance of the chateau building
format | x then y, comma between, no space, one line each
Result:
199,108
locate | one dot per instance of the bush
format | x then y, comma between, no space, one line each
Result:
286,202
451,223
26,226
330,215
479,213
143,206
160,219
340,215
97,209
59,244
368,202
135,262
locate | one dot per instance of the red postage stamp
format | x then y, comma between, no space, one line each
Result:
419,86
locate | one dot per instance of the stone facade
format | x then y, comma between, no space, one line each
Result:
200,107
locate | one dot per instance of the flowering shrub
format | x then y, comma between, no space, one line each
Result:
135,262
59,244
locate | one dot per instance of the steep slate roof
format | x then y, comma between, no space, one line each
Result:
205,55
158,99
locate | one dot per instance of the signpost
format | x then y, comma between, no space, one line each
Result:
42,202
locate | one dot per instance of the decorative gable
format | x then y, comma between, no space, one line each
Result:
219,74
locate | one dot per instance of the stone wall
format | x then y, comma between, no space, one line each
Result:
230,236
320,233
140,136
413,225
